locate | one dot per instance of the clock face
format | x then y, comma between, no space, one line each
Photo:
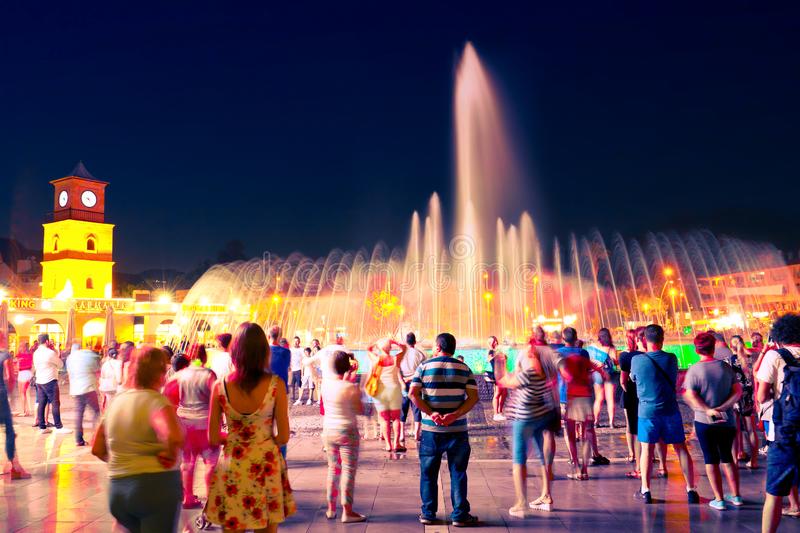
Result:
63,198
88,199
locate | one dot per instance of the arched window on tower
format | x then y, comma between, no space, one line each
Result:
55,243
91,243
89,283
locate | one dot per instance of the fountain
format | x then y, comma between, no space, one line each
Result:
489,277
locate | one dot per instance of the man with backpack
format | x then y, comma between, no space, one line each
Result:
779,395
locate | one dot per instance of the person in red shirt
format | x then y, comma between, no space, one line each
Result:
576,369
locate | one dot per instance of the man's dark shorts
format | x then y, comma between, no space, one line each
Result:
783,468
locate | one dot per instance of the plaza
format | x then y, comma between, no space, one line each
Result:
68,490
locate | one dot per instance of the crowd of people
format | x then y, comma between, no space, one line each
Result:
157,413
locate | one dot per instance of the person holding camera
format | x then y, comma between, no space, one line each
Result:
711,389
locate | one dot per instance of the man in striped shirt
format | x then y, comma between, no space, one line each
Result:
444,390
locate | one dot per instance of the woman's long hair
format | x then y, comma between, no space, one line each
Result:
604,338
250,355
630,340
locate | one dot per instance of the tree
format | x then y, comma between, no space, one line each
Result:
233,251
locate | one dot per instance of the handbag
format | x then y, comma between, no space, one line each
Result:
373,383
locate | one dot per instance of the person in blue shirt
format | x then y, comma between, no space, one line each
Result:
279,361
655,374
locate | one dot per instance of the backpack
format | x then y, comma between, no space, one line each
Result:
786,413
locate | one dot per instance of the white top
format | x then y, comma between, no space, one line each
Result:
339,412
771,371
110,375
324,358
132,441
221,364
46,363
411,360
82,367
297,359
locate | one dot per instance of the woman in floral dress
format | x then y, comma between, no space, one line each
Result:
250,486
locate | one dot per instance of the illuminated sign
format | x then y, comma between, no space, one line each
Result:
208,308
22,303
99,306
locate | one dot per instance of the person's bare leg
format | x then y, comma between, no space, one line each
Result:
687,465
737,442
598,400
549,450
731,471
752,439
398,432
520,475
589,438
646,465
386,433
662,458
794,501
771,516
610,402
573,448
715,480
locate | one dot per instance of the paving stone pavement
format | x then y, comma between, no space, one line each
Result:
68,491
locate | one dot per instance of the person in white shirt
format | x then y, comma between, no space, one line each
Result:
47,363
221,362
296,369
408,367
324,358
82,368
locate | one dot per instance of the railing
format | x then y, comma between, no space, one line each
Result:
76,214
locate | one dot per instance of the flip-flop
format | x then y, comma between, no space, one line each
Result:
575,477
788,511
633,474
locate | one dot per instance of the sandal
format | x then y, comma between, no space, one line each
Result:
788,511
541,504
662,473
330,515
584,477
634,474
575,477
630,459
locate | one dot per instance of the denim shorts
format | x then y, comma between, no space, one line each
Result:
525,431
783,468
668,428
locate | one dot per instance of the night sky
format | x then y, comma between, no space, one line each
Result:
309,127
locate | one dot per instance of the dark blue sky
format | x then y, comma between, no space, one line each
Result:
322,125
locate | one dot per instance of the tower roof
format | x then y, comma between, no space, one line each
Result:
80,171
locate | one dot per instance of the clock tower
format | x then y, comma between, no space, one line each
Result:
78,242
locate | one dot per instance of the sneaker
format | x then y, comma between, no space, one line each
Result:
599,460
467,521
298,402
719,505
62,431
308,402
80,443
425,520
45,431
692,496
736,501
